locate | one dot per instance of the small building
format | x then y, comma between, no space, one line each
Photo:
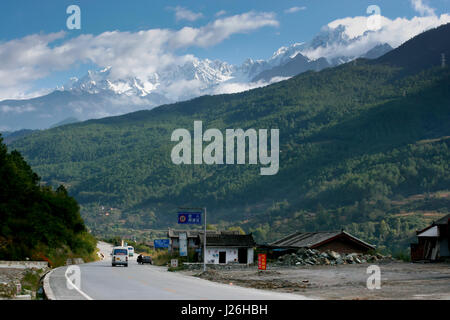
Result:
174,238
433,241
228,248
339,241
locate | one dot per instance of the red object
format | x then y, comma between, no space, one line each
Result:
262,258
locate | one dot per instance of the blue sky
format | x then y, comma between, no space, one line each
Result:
21,18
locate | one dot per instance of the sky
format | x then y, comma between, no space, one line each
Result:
38,52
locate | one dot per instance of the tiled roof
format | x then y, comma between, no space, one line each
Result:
304,239
311,239
228,240
172,233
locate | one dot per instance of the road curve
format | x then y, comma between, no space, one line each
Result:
146,282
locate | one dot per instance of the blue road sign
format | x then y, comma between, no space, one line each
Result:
161,243
189,217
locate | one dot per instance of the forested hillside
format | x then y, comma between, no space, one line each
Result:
37,222
362,146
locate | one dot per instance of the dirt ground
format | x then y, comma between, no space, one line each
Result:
399,280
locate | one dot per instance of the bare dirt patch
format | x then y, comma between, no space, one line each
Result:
399,280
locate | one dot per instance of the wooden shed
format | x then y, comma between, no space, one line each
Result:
432,242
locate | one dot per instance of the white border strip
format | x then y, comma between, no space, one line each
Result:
47,289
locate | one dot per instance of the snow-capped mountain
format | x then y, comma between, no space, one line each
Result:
331,47
205,72
96,82
100,94
198,76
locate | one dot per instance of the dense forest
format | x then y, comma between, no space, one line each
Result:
363,146
37,222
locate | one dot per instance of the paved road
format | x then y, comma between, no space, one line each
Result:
101,281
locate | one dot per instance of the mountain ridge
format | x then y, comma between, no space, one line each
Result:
349,142
98,94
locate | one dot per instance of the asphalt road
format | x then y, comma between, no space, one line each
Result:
99,280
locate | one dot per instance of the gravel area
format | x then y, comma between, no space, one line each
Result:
399,280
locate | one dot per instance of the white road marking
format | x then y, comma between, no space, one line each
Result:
76,288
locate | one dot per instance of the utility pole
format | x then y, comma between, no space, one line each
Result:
443,59
204,244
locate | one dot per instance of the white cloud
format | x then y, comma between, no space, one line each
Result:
17,109
138,54
220,13
221,29
235,87
182,13
4,129
394,32
184,89
294,9
422,8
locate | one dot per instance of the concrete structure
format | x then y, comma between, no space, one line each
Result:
24,264
229,248
222,246
192,237
433,241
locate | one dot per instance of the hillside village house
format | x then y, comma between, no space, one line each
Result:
338,241
221,246
433,241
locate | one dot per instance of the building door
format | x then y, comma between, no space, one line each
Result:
242,255
222,257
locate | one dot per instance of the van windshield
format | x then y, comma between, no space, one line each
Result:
119,252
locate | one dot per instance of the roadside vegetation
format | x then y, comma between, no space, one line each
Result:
31,281
36,221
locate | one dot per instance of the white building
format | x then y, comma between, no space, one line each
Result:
228,248
221,246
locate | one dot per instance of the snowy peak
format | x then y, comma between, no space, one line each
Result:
206,71
330,37
283,54
101,93
96,82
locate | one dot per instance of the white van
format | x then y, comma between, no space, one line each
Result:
119,256
130,251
